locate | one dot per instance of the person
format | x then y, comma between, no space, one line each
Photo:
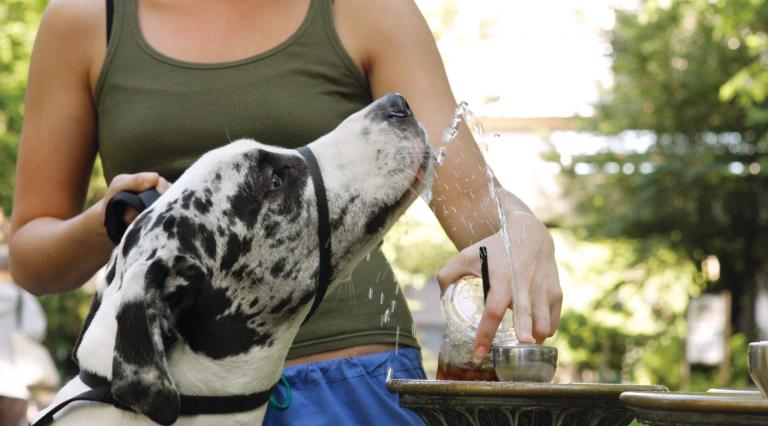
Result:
170,80
24,361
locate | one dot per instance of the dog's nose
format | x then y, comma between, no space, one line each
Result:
397,106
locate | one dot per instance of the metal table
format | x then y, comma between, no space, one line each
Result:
516,404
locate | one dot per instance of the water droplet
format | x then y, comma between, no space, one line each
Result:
397,339
392,305
368,257
449,134
381,299
389,374
413,329
440,156
370,293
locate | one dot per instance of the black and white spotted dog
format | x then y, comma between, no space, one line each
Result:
207,290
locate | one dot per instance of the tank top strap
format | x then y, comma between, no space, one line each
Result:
332,36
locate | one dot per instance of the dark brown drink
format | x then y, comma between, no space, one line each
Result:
477,373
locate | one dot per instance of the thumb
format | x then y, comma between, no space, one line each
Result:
460,266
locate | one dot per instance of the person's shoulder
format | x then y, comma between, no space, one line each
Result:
81,18
389,15
380,28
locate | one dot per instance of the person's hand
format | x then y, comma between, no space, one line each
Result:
532,290
137,182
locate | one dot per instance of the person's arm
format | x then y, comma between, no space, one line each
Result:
55,246
400,55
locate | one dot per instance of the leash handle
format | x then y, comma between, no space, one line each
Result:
117,205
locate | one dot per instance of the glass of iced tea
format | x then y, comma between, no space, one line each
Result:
462,306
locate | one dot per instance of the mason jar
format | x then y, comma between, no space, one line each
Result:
462,306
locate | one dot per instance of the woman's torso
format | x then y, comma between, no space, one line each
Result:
159,112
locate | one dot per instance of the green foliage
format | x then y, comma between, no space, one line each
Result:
66,313
18,21
417,251
699,188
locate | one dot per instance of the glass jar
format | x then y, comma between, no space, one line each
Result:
462,306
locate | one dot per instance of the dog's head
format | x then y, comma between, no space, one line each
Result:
224,264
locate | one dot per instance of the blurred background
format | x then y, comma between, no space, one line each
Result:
637,130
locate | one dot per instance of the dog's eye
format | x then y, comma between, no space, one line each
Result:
277,180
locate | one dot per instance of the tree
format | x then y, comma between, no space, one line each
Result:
700,185
20,19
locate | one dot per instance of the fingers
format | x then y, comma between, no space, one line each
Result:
523,315
542,326
547,303
556,300
162,185
137,182
495,307
462,265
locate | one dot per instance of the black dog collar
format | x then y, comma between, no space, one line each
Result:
190,404
323,230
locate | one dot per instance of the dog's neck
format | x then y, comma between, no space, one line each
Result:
251,372
193,373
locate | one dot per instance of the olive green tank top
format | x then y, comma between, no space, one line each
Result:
156,113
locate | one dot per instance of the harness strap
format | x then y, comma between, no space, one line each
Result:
100,394
190,404
323,230
117,205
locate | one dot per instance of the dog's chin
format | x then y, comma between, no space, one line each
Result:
421,179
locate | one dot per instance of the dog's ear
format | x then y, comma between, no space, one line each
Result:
140,376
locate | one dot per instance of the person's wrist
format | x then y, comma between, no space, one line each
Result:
94,222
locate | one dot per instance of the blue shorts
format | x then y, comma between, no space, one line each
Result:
348,391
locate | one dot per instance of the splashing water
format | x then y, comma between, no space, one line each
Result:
440,156
463,113
397,339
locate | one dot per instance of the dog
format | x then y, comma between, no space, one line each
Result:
208,287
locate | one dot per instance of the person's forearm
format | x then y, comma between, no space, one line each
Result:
50,255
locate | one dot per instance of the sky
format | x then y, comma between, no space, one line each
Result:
514,58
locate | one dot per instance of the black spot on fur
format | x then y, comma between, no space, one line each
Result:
169,224
201,205
339,220
134,341
111,272
208,240
270,228
186,198
277,268
152,255
377,221
282,304
208,330
131,238
235,248
185,235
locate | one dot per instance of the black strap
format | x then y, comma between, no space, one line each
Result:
100,394
323,229
190,404
110,17
116,207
